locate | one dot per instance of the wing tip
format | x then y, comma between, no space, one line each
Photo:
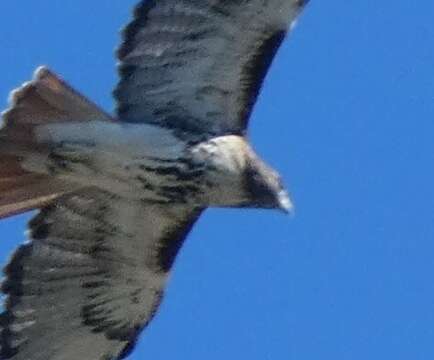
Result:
12,289
301,3
139,17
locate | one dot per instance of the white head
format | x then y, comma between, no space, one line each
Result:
237,177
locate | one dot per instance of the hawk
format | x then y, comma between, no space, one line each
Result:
117,195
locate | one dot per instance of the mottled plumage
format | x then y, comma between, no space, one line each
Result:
119,194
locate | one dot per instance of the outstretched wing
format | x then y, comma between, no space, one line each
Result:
197,66
91,277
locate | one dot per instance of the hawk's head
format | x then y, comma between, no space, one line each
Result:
264,186
237,177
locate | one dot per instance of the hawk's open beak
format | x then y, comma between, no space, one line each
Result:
284,202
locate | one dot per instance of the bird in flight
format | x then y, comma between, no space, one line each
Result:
117,195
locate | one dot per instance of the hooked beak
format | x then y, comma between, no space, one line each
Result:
284,203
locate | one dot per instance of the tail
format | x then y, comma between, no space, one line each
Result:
45,99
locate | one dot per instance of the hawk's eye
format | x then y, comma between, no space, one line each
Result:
258,187
280,185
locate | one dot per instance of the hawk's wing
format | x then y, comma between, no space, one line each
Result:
197,66
91,277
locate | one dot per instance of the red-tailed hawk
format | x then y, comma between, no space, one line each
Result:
118,194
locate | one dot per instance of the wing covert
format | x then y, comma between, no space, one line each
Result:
198,66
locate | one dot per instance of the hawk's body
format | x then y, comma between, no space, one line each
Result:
119,195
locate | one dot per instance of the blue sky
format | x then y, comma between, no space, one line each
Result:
346,116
